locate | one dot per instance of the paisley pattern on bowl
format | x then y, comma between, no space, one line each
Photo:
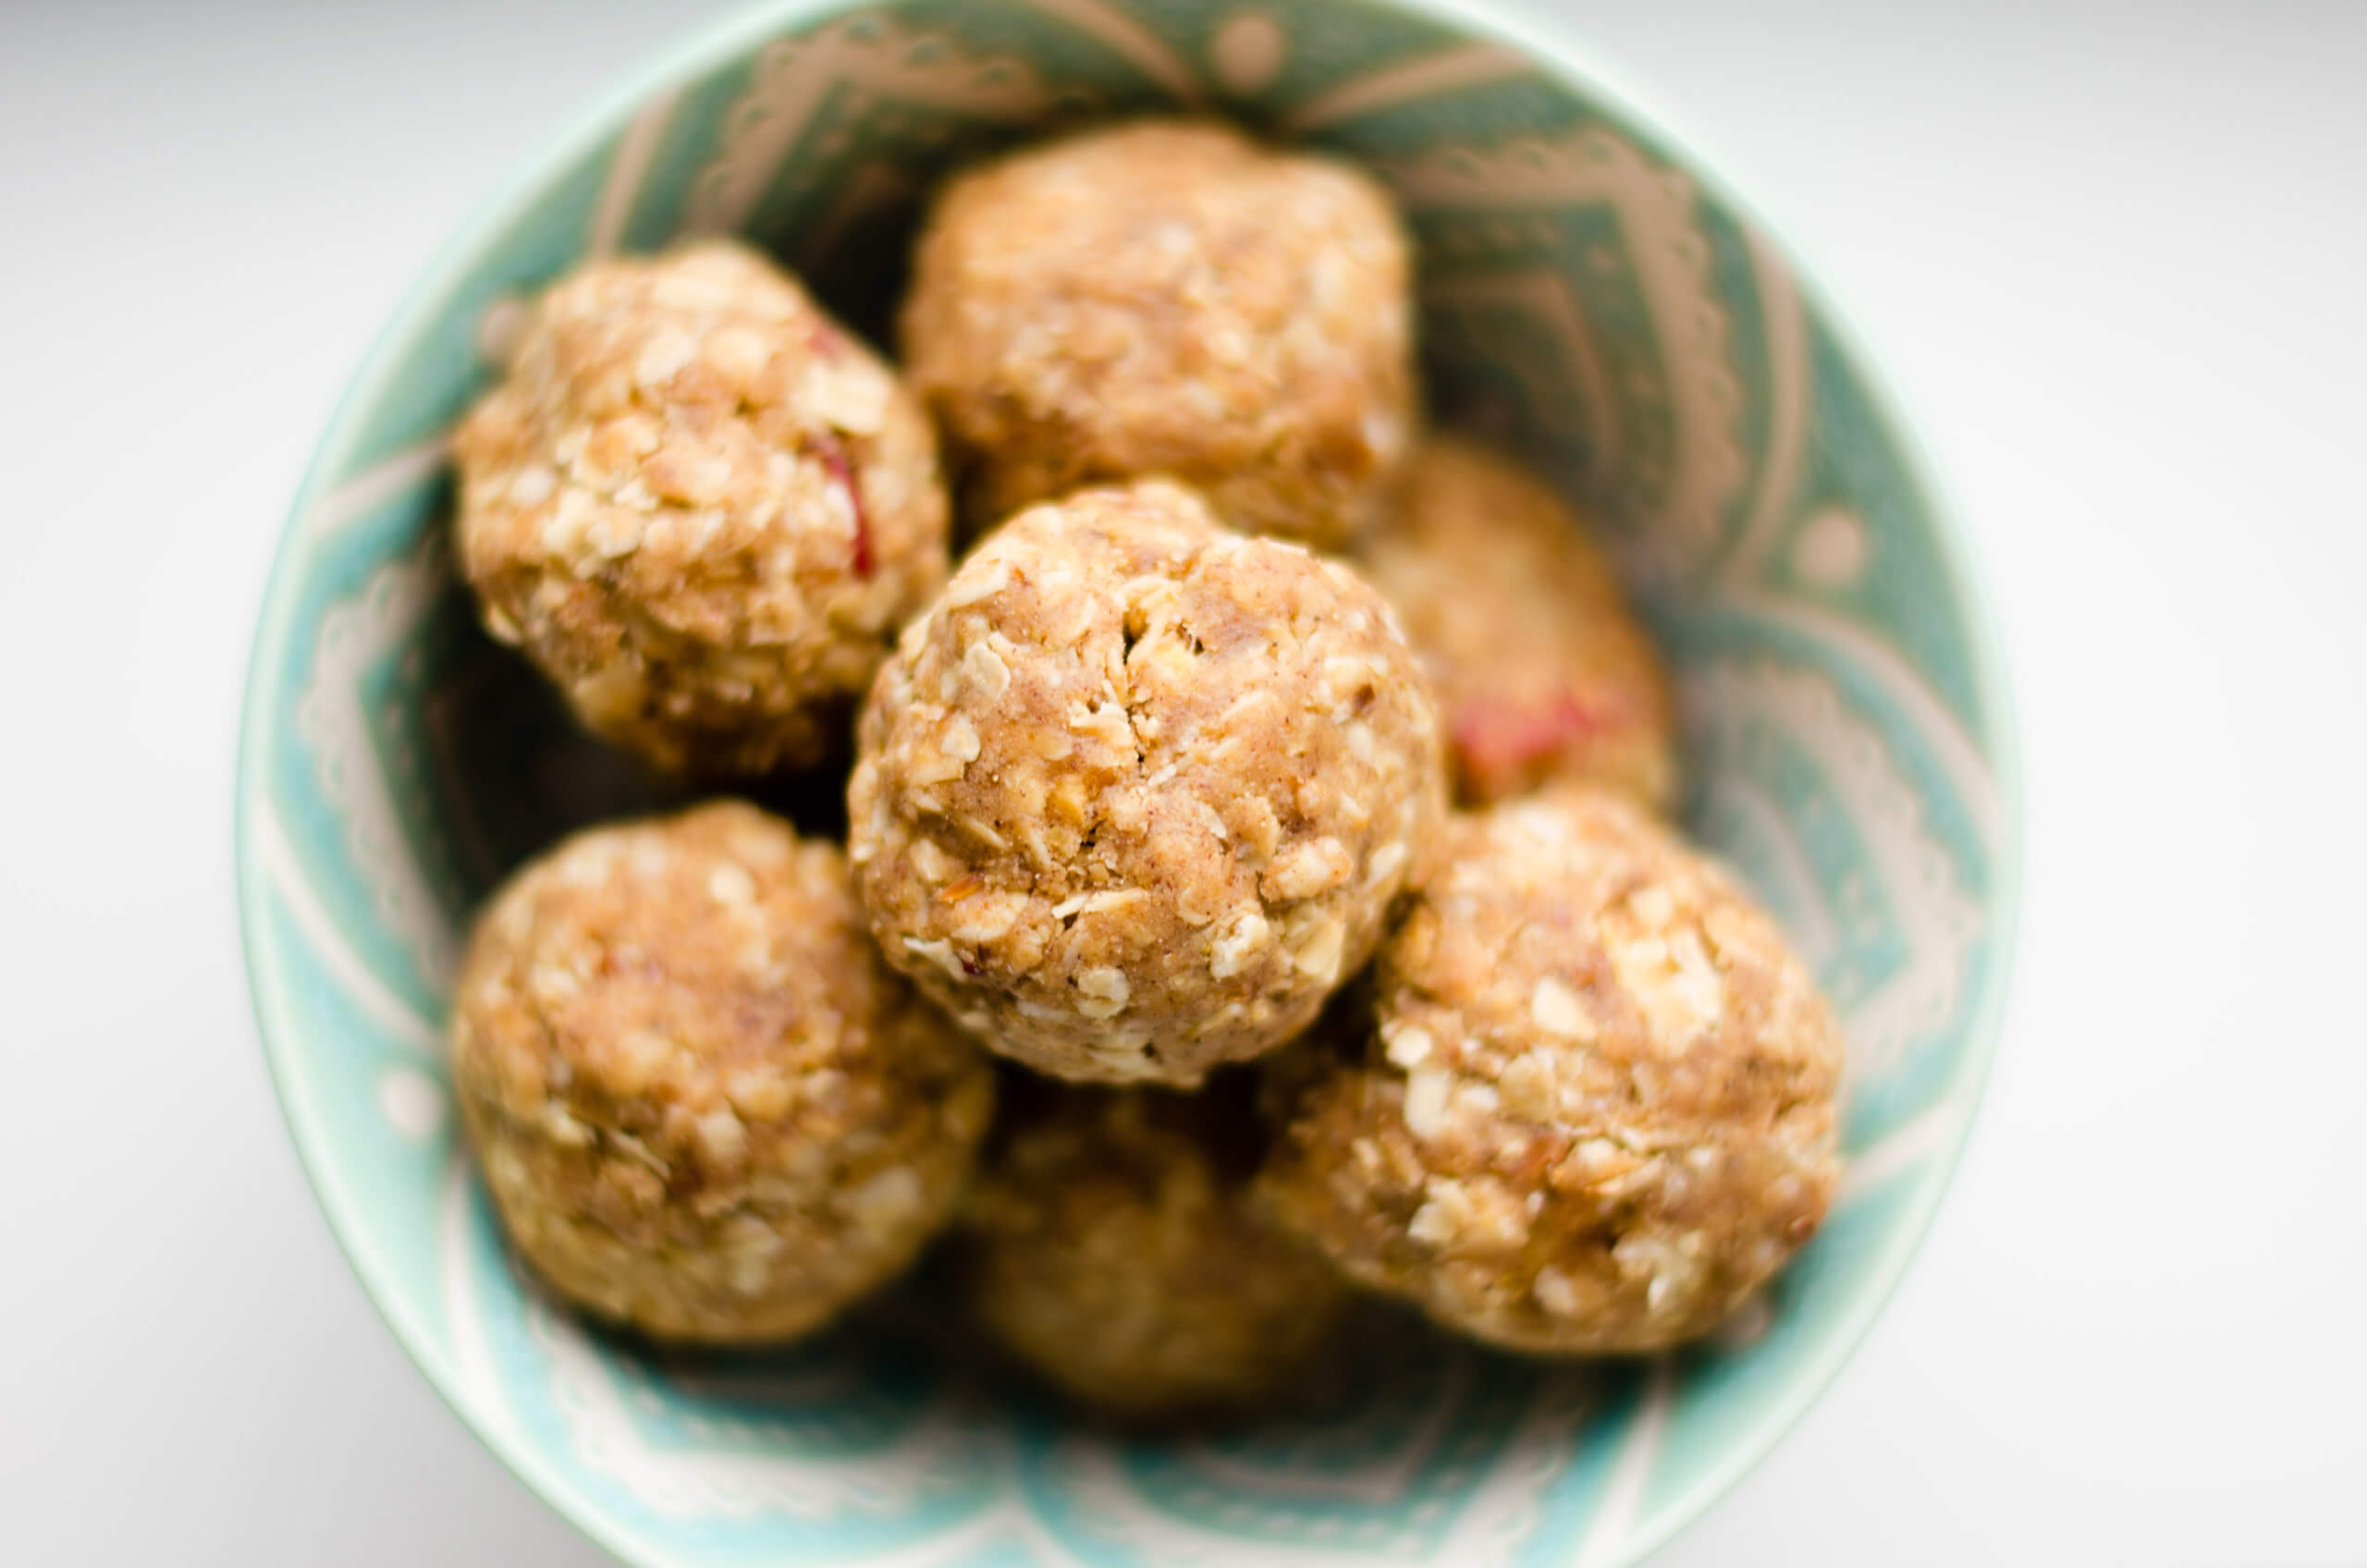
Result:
1589,302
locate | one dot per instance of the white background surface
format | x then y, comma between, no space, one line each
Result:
2114,256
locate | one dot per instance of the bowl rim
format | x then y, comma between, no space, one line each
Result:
1551,45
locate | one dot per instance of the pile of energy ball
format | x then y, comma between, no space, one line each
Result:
1157,973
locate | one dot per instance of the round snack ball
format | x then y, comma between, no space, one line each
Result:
1543,671
1135,796
1114,1246
1596,1108
701,508
1168,296
705,1108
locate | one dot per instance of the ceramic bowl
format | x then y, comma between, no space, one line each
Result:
1592,296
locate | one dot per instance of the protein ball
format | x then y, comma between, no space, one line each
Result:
705,1108
1596,1108
701,508
1543,669
1170,298
1113,1244
1135,796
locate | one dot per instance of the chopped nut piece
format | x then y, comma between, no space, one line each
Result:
1425,1094
1407,1046
1104,992
1558,1010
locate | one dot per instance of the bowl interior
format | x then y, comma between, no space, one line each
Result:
1589,300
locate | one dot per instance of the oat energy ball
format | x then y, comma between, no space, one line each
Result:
1169,297
1543,671
1114,1246
704,1108
701,508
1597,1111
1136,794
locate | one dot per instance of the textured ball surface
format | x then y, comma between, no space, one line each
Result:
1137,793
704,1108
701,508
1543,673
1595,1109
1170,298
1115,1246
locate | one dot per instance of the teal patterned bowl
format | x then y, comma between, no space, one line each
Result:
1592,296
